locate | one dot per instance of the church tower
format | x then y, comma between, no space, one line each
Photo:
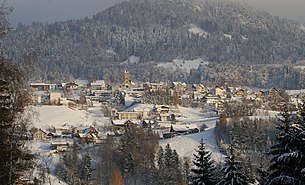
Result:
127,80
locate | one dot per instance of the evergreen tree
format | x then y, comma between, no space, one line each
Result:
233,174
161,166
288,161
186,170
16,159
176,169
86,168
172,172
203,172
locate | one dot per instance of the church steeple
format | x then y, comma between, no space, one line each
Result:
127,80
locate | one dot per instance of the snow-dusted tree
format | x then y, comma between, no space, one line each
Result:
172,173
86,169
16,159
186,170
203,172
233,174
288,162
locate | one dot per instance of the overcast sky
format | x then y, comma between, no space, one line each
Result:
292,9
28,11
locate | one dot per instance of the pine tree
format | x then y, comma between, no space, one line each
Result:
204,170
288,162
172,172
186,170
176,168
86,168
16,159
233,174
161,166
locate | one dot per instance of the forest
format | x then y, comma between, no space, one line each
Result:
237,41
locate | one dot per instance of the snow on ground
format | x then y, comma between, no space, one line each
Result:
110,51
296,92
302,27
228,36
187,144
185,65
132,59
59,115
196,30
46,156
244,38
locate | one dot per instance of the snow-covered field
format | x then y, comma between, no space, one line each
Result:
187,144
185,65
196,30
46,116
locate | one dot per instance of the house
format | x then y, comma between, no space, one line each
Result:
274,92
119,125
154,87
97,85
240,92
220,91
163,109
182,129
127,115
24,181
41,86
40,97
200,88
179,86
40,135
63,130
166,117
55,97
259,93
90,135
143,112
60,146
213,99
72,86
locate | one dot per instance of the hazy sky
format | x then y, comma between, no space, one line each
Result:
292,9
28,11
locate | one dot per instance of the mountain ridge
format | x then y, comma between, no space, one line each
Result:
157,31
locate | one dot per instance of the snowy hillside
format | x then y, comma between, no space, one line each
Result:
186,145
185,65
46,116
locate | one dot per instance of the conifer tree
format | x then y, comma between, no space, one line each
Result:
203,171
16,159
288,161
86,168
172,172
233,174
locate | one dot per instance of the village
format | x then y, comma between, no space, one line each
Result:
155,106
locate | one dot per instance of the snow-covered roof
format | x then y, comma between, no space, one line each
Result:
185,127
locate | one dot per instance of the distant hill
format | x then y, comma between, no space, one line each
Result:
157,31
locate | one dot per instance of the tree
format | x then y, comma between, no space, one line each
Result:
171,173
116,178
186,170
86,170
204,168
233,174
16,159
288,161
